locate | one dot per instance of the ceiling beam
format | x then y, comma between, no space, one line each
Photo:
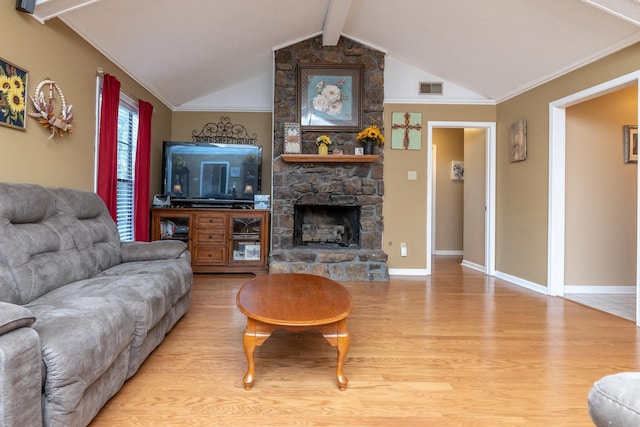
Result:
629,10
334,21
48,9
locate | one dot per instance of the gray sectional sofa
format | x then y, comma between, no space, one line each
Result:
614,400
79,310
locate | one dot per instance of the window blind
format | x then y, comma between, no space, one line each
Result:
127,138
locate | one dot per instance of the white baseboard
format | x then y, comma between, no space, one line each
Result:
473,265
448,252
578,289
524,283
407,272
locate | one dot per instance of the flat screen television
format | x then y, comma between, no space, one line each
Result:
200,172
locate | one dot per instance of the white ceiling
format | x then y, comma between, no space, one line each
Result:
198,54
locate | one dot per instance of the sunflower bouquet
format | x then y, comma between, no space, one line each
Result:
370,134
323,139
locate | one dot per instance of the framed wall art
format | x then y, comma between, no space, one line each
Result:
13,95
630,139
457,170
291,132
518,141
406,131
330,96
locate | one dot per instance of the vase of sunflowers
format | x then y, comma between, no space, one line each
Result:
370,136
323,142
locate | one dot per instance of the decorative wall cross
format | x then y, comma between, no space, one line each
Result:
406,131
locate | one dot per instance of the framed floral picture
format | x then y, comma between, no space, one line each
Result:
13,95
330,96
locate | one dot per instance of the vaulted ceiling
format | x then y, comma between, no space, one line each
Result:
197,52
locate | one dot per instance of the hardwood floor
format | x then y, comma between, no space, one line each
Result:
453,349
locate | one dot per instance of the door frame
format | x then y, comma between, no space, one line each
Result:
490,189
557,183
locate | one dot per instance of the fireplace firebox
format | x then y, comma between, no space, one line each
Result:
326,226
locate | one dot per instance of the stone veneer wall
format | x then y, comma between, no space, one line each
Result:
338,184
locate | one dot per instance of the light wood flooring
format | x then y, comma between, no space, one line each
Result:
453,349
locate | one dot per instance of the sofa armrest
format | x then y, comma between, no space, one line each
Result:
20,368
151,251
14,316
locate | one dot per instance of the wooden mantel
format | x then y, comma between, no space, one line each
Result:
331,158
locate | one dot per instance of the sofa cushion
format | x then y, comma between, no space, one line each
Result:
613,400
81,337
45,243
94,232
13,317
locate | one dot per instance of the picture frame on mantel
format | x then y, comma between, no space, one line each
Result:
630,138
330,97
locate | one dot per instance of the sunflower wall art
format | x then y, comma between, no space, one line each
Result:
13,90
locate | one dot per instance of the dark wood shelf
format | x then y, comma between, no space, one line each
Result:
330,158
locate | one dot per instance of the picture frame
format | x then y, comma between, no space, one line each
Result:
630,143
457,170
330,97
251,252
406,131
518,141
291,137
13,91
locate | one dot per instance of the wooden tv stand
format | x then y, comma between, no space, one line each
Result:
220,240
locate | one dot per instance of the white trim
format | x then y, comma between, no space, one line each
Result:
473,265
407,272
441,100
522,283
610,290
450,252
490,188
434,198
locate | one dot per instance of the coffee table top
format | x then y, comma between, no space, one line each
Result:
293,299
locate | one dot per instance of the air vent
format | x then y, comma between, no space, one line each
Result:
430,88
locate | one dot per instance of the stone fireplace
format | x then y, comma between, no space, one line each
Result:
327,216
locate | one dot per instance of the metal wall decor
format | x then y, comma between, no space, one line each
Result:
224,132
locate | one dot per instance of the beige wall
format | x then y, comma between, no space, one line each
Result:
405,202
184,123
475,154
601,192
53,51
449,194
522,187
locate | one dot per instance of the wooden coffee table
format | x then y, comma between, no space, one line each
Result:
294,302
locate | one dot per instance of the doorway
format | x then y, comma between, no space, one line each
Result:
489,129
557,185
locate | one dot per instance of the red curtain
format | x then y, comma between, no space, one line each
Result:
108,144
143,156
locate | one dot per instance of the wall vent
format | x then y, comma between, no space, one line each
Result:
430,88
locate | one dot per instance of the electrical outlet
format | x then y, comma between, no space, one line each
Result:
403,249
412,175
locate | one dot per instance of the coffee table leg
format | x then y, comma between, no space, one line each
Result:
343,348
249,345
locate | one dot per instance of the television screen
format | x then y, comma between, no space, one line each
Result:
204,171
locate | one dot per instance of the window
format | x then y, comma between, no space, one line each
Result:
127,138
